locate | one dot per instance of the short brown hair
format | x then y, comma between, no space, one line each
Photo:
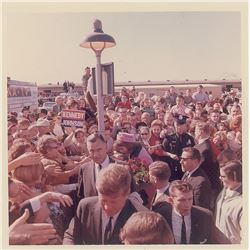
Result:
160,170
114,178
157,122
180,185
146,227
233,170
195,153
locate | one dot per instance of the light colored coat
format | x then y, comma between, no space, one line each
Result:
229,213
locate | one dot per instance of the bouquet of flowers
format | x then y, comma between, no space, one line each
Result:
139,169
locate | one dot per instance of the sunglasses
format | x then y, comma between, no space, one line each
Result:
144,133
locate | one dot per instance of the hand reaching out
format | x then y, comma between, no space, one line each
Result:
32,234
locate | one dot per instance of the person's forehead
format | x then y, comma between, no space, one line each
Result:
181,194
97,144
186,154
112,197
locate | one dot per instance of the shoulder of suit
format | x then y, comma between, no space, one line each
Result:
87,165
137,205
88,201
162,206
202,211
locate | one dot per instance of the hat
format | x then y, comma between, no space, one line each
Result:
125,137
181,119
42,123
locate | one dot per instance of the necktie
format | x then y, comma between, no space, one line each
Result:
186,176
107,232
183,232
99,167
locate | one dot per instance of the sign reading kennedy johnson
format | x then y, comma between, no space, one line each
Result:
73,118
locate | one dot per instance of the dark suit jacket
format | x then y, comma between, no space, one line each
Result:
210,166
202,225
160,199
201,188
86,226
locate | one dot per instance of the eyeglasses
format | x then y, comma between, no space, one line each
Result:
222,176
144,133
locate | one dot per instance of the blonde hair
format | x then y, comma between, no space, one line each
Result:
146,227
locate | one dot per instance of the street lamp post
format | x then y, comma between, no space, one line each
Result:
98,41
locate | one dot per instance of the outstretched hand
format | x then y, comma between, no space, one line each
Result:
22,233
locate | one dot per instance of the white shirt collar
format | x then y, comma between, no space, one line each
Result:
192,171
163,189
105,163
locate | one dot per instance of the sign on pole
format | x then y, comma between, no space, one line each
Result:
73,118
107,79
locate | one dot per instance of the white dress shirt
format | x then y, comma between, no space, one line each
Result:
104,165
177,224
105,221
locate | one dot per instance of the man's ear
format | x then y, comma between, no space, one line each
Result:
170,199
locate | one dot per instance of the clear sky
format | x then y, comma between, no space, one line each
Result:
44,47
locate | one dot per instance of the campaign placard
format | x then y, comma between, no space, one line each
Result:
73,118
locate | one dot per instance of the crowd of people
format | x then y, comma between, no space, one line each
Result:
165,170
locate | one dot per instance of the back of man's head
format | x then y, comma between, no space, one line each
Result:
114,179
146,227
160,170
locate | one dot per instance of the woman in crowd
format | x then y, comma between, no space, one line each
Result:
126,145
235,135
57,167
75,145
144,136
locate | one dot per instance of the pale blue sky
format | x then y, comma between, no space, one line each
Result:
44,47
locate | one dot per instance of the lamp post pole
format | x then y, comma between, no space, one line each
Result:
98,41
100,106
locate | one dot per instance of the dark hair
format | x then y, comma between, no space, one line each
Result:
160,170
180,185
195,153
95,137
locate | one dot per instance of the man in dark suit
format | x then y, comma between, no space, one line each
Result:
159,174
193,174
208,153
190,224
174,144
98,219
